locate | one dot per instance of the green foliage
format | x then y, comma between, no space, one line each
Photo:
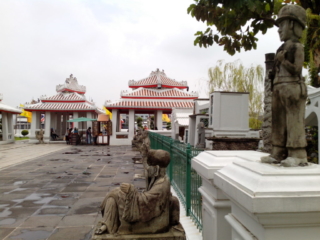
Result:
168,126
139,122
255,123
20,138
312,144
311,41
235,77
237,22
24,132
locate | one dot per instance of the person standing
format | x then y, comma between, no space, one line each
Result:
88,135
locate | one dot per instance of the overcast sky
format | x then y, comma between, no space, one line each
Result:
104,44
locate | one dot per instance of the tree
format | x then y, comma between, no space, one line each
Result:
235,77
237,23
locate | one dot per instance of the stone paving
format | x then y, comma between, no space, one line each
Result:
57,195
12,154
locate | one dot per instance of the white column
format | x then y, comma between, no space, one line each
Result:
53,120
215,204
59,126
47,126
33,126
131,123
89,115
159,119
75,115
113,138
10,127
5,126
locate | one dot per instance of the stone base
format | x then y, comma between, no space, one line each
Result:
234,143
175,233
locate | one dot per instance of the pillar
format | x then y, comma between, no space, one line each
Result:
114,126
33,125
267,116
47,126
5,126
89,115
10,127
75,115
159,119
59,126
131,123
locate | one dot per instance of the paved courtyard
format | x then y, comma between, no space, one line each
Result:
57,195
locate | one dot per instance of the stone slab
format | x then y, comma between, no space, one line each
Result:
175,233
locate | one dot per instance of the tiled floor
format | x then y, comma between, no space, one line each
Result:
53,191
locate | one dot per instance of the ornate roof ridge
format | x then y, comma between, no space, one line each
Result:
157,79
159,93
64,96
71,85
149,104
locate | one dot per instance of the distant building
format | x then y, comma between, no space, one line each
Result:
70,102
154,95
6,116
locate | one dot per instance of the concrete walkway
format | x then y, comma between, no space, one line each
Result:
16,153
53,191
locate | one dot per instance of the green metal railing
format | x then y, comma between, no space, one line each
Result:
183,178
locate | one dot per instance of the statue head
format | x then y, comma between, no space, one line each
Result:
291,22
158,157
158,160
200,125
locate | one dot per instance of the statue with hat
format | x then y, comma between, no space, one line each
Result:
127,211
289,91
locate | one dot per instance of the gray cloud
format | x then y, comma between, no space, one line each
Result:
104,44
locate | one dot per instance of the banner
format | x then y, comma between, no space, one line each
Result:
26,114
108,112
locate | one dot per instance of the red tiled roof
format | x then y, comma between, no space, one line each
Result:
157,78
149,104
64,97
159,94
60,106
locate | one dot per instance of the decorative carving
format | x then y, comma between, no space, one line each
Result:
71,83
289,92
267,117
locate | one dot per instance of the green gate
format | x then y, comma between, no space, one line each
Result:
183,178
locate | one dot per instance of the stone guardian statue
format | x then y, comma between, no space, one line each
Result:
288,91
201,135
127,211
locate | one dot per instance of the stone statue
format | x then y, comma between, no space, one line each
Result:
288,91
201,135
39,135
125,210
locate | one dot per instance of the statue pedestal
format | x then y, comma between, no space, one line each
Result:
175,233
269,202
215,204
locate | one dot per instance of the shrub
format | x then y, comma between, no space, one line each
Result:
139,122
24,132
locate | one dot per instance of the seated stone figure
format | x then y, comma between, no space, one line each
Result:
127,211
